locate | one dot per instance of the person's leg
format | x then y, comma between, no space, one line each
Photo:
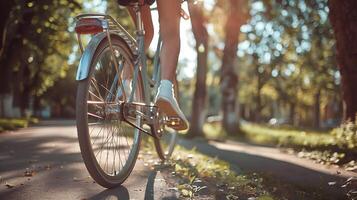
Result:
169,17
149,33
147,21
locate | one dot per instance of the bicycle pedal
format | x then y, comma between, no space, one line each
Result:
151,83
173,121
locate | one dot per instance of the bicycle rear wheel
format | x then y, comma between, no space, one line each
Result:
109,146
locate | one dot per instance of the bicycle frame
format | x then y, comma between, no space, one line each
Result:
111,29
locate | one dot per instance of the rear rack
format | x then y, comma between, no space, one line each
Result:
110,24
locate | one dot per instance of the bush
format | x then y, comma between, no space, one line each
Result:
346,135
13,124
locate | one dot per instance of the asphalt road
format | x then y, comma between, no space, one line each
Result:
50,155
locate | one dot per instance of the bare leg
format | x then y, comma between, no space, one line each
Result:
147,21
149,33
169,16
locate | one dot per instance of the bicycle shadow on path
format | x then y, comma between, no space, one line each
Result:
120,193
155,189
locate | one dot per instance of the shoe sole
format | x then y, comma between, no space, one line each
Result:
166,108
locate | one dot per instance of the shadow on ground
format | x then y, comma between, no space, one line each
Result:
305,179
52,153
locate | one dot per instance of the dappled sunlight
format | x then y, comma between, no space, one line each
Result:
95,93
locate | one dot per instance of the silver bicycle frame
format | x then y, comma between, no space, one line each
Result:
113,29
140,38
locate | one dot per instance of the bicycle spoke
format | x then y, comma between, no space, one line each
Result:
94,115
94,95
113,142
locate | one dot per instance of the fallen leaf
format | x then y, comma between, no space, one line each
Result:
352,168
231,197
197,180
29,172
9,185
332,183
200,188
185,193
173,188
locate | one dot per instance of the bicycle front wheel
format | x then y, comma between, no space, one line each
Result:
109,146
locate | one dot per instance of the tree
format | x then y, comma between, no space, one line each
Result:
288,58
36,48
344,22
229,78
200,33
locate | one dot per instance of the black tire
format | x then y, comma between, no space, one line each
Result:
167,142
113,127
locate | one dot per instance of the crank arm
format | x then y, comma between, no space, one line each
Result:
126,115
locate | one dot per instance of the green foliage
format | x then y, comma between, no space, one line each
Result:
346,135
37,46
326,147
214,131
322,157
13,124
286,137
287,57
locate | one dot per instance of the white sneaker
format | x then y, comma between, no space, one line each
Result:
167,103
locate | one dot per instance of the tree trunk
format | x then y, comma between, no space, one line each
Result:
292,113
258,97
26,92
229,76
317,109
198,115
343,17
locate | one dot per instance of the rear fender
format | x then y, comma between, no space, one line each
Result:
87,56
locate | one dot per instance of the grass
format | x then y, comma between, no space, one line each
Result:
286,137
199,176
214,131
15,123
199,172
337,146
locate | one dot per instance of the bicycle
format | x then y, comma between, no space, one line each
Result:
111,115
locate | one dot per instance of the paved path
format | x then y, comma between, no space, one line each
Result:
299,173
52,151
